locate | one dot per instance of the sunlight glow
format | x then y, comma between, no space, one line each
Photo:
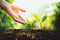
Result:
31,6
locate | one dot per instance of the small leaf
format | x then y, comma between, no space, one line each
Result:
37,17
28,21
27,26
44,18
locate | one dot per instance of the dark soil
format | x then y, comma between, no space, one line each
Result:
29,35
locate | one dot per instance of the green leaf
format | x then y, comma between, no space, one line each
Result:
44,18
27,26
10,1
28,21
37,17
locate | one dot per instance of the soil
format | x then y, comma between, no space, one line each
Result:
29,35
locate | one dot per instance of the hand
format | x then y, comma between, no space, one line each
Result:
12,11
18,18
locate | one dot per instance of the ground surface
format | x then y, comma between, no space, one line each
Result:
29,35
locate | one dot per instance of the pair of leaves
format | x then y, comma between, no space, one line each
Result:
38,18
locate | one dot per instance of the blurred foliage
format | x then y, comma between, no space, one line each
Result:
57,6
53,19
5,20
57,20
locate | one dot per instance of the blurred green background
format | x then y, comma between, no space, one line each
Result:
50,21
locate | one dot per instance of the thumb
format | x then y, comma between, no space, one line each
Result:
16,9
